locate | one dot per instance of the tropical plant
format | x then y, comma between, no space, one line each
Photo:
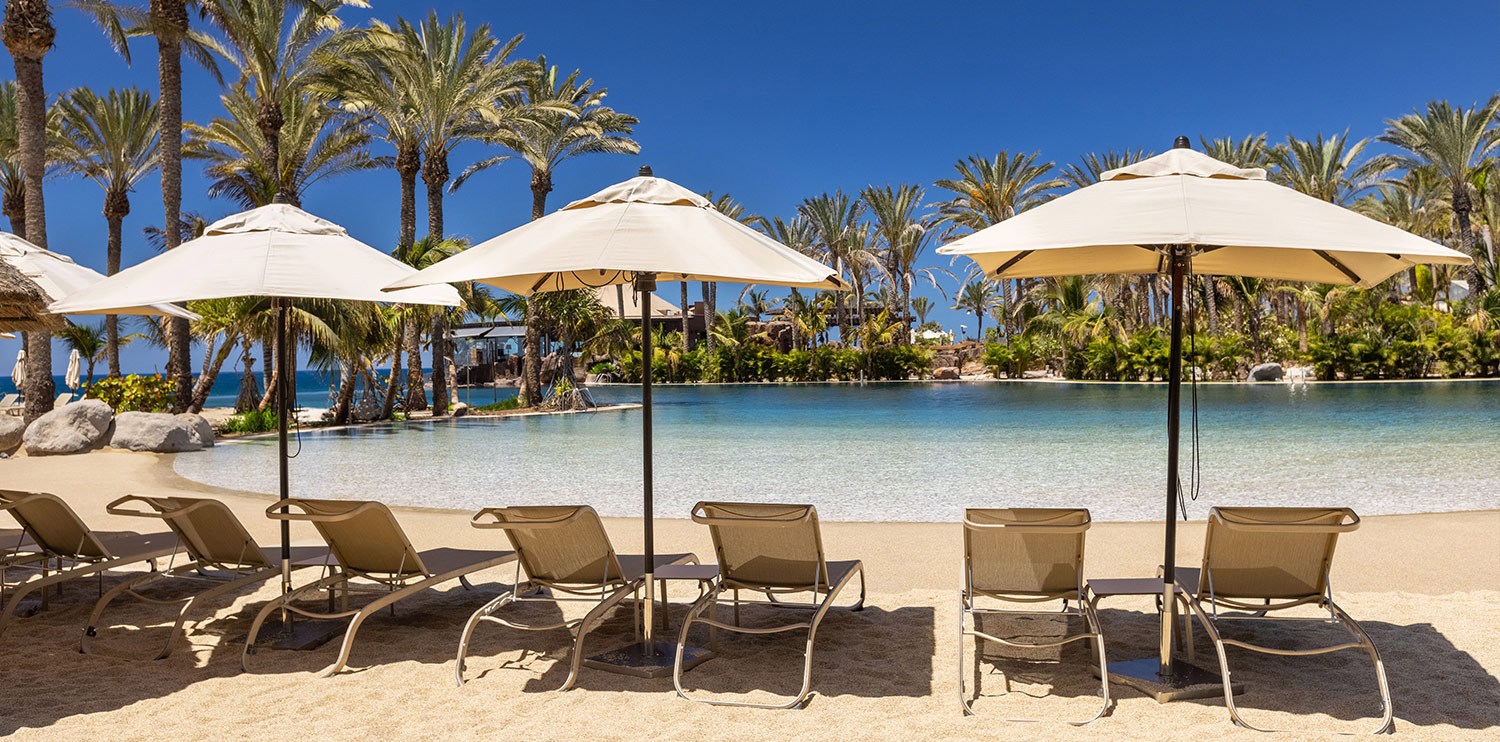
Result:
1248,151
1323,169
977,296
835,219
133,393
1090,168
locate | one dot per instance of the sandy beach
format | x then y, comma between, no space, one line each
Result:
1425,587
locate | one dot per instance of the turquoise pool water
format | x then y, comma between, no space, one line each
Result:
923,451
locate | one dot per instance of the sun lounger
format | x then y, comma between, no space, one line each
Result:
368,545
563,550
1025,556
1257,561
66,548
61,400
777,551
221,556
11,404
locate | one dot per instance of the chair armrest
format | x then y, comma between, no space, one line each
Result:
1349,522
117,507
499,522
273,511
699,516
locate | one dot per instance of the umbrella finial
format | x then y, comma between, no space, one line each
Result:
280,198
644,172
1182,143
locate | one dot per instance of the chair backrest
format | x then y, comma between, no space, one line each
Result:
207,529
761,545
1271,552
52,525
362,534
1024,551
557,545
62,399
9,400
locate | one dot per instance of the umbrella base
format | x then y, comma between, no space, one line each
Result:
304,634
1186,681
640,662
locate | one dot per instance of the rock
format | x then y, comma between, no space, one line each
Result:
1266,372
68,429
945,373
368,407
461,410
157,432
938,361
11,430
202,431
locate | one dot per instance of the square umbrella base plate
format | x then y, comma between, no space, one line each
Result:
305,634
636,660
1186,681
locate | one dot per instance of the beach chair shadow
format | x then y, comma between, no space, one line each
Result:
1035,673
1432,681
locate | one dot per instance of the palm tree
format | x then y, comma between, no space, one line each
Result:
835,219
1320,168
421,254
906,235
574,314
1091,167
12,177
316,142
563,119
921,306
726,205
89,341
111,140
224,325
977,296
1459,143
1248,151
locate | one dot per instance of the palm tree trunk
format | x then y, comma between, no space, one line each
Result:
408,164
268,119
416,389
686,345
565,360
14,207
112,266
267,372
394,384
249,390
1461,207
28,33
213,362
711,309
169,20
439,366
531,361
346,393
1211,303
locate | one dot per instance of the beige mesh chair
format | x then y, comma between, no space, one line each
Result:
221,555
776,551
563,550
368,544
1257,561
1025,556
64,548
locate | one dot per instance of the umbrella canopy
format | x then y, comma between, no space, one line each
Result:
645,225
277,250
23,304
1185,212
1240,224
58,276
641,231
623,303
18,371
71,378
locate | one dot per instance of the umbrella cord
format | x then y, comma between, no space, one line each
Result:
1195,462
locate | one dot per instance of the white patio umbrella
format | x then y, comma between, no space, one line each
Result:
1185,212
60,277
18,371
71,378
638,232
277,251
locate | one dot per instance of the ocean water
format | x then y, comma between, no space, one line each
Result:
922,452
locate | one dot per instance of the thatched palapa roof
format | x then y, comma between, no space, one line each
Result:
23,304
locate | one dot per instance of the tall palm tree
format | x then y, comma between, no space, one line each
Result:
1250,150
733,209
906,235
798,234
422,254
977,296
111,140
1459,143
1323,169
89,341
989,191
556,119
835,219
1091,167
316,142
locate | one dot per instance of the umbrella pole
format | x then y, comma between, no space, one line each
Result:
1174,418
282,408
644,285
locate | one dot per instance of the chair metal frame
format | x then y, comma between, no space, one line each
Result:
821,583
1211,619
605,595
1083,608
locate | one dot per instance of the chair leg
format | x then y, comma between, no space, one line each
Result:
590,621
463,642
963,621
1387,717
85,642
273,605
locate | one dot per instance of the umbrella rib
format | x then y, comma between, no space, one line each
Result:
1007,265
1335,263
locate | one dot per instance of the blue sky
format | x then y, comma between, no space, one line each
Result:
773,102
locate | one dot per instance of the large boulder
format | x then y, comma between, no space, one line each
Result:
945,373
11,430
203,431
68,429
157,432
1266,372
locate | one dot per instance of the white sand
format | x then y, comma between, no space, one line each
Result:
1426,588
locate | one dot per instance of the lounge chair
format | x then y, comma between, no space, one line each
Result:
66,548
221,555
12,404
61,400
1260,560
369,545
563,550
774,550
1027,556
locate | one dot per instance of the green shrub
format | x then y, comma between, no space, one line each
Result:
509,403
604,368
134,393
254,421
